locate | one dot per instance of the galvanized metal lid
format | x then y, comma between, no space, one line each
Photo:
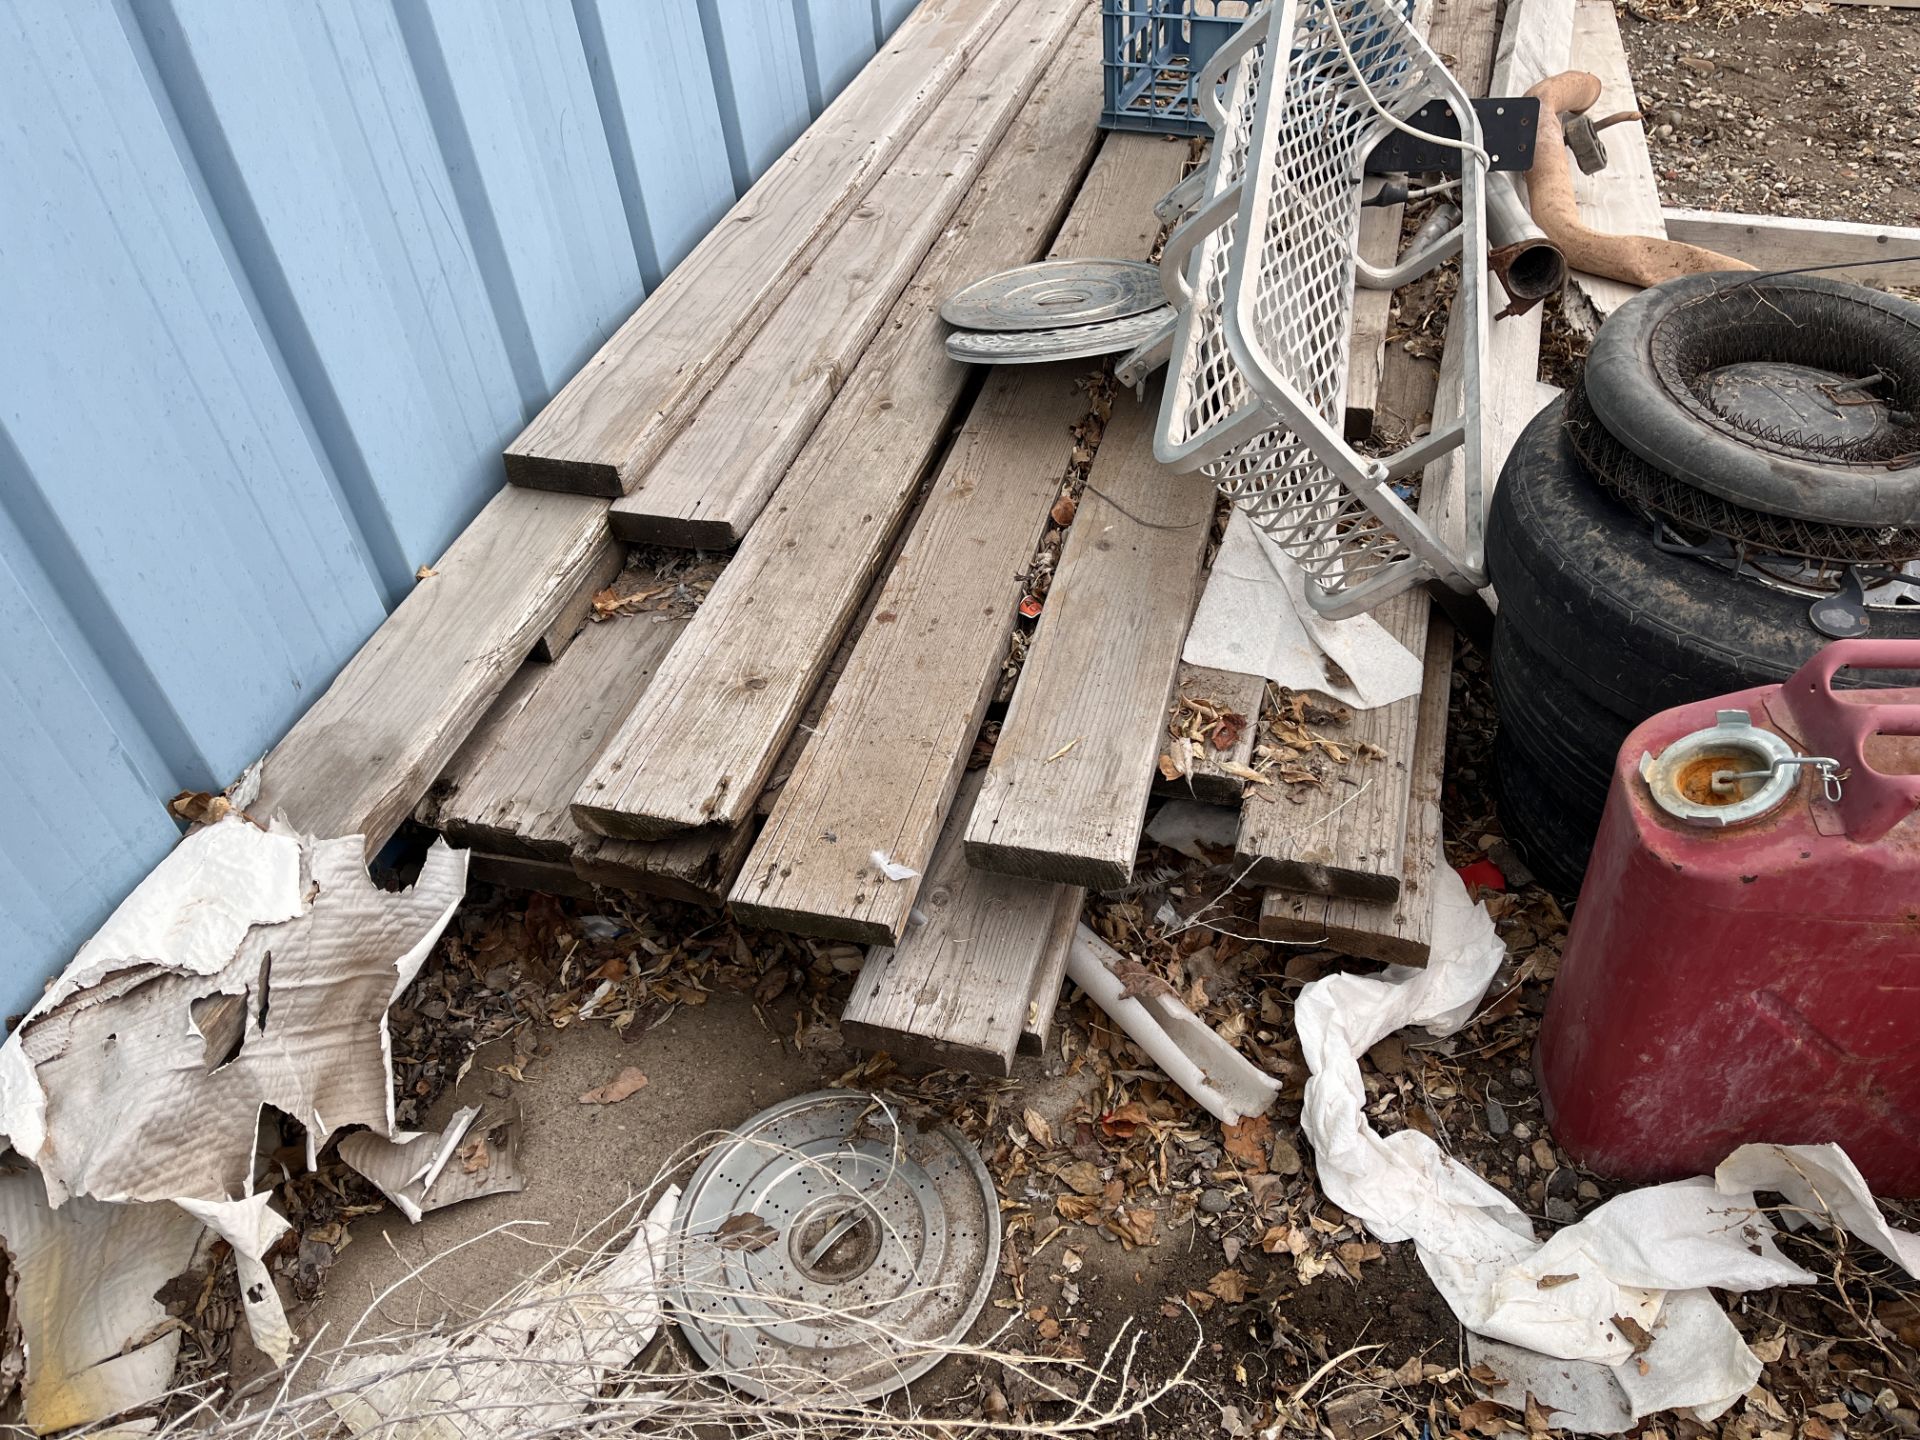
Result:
1076,342
1053,293
1725,775
832,1248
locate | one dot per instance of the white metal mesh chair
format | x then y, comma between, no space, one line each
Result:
1263,268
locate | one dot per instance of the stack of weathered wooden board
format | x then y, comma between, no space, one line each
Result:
777,702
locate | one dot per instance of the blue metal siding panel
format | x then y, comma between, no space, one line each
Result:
318,150
662,121
87,824
891,13
277,282
836,39
511,101
759,80
152,457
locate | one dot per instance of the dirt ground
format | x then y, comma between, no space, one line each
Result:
1788,109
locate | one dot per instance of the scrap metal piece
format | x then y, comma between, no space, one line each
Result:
833,1248
1076,342
1050,294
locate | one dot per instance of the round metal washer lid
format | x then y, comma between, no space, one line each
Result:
1053,293
1076,342
832,1247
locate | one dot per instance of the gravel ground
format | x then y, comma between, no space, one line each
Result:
1805,109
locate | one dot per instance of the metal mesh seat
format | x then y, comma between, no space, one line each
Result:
1264,268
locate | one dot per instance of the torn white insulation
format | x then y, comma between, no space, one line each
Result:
533,1369
250,969
419,1172
1649,1255
1178,1041
1254,619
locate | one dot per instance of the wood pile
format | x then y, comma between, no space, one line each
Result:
730,634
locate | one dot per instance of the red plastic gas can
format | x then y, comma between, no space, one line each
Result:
1744,962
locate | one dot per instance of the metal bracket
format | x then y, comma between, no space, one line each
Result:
1583,138
1508,126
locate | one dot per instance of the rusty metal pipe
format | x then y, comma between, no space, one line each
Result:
1520,255
1635,259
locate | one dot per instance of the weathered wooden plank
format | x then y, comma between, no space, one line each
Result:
1399,931
732,690
879,774
957,991
1234,693
573,615
1624,198
1043,999
516,872
508,788
904,715
613,418
1774,242
1349,838
1378,244
698,866
1066,791
366,751
718,475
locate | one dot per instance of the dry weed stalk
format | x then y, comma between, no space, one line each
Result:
535,1363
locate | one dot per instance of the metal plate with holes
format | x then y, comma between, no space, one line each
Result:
1076,342
1507,129
1054,293
831,1248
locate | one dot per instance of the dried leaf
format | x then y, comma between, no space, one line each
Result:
1038,1127
1227,733
1247,772
1554,1282
1082,1177
1633,1332
1248,1141
1170,768
425,572
1063,511
474,1156
745,1232
1229,1285
627,1082
1536,1416
1135,1225
1485,1417
1121,1122
197,807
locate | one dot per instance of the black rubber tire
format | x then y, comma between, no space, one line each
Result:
1636,382
1598,630
1634,629
1552,828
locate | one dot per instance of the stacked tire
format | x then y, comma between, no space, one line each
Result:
1600,628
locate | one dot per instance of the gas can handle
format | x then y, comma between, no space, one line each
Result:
1872,802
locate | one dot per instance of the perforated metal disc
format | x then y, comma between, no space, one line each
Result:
831,1247
1076,342
1053,293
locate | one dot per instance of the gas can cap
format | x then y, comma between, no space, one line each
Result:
1726,775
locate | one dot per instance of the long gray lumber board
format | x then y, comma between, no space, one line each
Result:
880,774
717,476
1347,838
1399,931
732,690
959,990
608,423
1776,242
1066,791
366,751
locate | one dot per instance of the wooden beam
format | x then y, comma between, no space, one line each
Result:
573,615
698,866
1624,198
598,435
715,479
1773,242
959,990
1399,931
1227,690
1066,791
1349,838
364,753
516,872
733,688
881,772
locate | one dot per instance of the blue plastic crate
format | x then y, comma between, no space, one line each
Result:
1153,48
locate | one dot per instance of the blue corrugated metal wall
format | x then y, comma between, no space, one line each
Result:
277,282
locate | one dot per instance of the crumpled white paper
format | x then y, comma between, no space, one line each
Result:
1648,1255
1254,618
